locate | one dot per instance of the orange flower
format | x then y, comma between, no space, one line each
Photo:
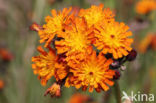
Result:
5,54
145,6
96,14
79,98
94,72
76,39
1,84
61,71
54,90
46,66
113,38
54,25
80,40
148,42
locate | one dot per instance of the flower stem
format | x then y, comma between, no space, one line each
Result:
117,92
106,96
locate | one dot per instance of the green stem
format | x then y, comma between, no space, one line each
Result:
106,96
117,92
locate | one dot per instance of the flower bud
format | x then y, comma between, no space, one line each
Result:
132,55
35,27
54,90
117,75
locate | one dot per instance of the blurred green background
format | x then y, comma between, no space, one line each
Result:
22,86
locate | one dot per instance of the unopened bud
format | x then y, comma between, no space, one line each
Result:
54,90
132,55
117,75
35,27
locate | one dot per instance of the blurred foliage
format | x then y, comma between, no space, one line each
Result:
22,86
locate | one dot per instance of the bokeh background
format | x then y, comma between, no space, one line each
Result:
18,84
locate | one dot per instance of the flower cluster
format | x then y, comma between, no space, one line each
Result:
145,6
80,48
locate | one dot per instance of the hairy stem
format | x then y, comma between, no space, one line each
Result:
106,96
117,92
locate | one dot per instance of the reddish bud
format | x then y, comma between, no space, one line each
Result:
132,55
35,27
117,75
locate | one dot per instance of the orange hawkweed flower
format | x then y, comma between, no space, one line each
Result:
76,39
61,71
46,65
54,25
148,42
145,6
96,14
94,72
113,38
